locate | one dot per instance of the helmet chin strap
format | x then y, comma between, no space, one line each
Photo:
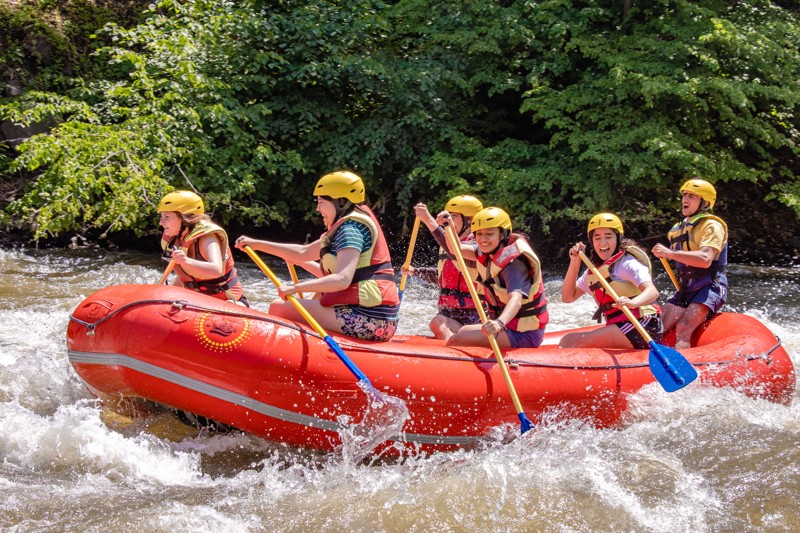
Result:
341,206
465,226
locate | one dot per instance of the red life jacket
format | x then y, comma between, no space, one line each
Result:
533,312
453,288
622,288
373,282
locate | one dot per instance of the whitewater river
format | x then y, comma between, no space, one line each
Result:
701,459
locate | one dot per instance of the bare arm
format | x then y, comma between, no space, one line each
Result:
648,295
209,266
294,253
340,279
701,258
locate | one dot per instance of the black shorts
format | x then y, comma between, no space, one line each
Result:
652,325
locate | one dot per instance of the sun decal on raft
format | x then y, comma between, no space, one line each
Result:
221,333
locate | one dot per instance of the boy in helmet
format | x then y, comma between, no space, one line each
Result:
203,259
627,269
359,297
510,275
699,246
455,304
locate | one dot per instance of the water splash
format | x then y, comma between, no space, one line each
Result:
383,421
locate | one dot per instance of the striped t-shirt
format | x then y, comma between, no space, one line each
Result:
354,234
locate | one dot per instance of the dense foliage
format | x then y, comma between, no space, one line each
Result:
552,109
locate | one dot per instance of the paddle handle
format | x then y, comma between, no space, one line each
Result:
670,273
455,245
167,272
409,254
293,274
648,339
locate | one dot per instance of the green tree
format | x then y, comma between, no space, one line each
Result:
552,109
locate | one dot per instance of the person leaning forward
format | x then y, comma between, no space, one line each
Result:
699,246
359,297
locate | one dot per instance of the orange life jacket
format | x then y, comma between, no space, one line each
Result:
225,287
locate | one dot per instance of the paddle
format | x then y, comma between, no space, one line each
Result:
525,424
293,274
409,254
169,268
670,273
397,412
672,370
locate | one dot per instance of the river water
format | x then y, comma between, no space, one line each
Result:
700,459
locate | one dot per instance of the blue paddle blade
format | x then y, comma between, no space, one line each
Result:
525,424
670,367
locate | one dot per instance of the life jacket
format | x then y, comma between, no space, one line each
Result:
225,287
373,282
453,289
682,237
622,288
532,314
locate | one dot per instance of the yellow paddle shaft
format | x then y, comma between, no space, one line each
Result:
410,253
456,249
670,273
293,274
613,294
169,268
297,305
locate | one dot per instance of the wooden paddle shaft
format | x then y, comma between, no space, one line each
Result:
613,294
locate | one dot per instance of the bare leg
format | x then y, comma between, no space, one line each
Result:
325,316
605,337
472,335
671,315
443,327
694,316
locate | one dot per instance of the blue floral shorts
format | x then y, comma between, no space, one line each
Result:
359,326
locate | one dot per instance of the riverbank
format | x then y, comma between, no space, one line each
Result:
761,232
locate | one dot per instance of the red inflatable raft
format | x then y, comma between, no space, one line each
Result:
279,380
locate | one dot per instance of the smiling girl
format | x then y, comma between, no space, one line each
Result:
510,275
627,268
355,280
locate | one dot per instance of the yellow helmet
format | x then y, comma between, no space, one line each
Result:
491,217
605,220
466,205
701,188
184,202
341,184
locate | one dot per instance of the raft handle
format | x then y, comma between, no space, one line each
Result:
178,305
